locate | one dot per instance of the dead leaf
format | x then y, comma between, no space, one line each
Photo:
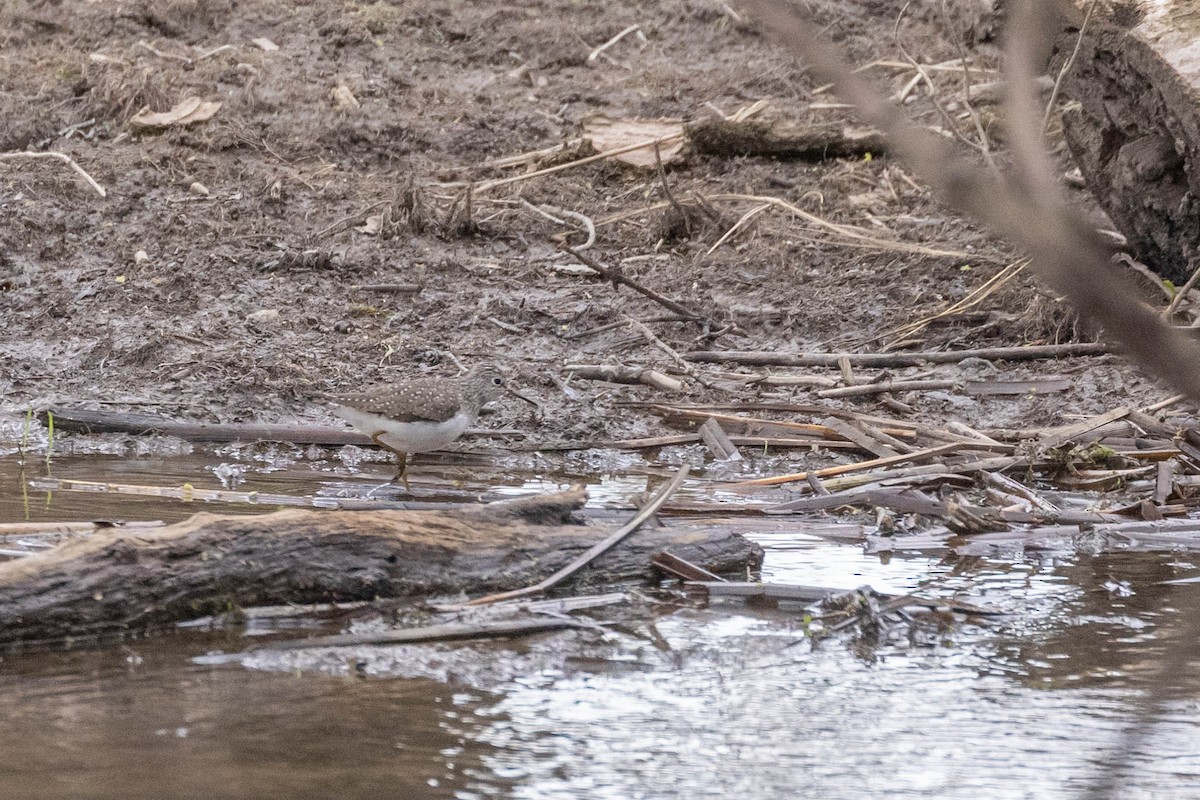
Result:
612,134
372,225
187,112
343,98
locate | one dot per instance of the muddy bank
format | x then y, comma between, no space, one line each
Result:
297,241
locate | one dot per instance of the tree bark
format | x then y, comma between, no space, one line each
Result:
1135,133
127,581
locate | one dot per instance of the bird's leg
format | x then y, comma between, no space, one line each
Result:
402,459
402,470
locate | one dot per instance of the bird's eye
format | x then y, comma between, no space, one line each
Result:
497,381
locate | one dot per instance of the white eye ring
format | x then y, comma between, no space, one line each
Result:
498,381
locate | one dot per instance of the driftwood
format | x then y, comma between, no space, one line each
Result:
131,581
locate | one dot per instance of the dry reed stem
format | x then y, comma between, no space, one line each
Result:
487,186
849,234
973,298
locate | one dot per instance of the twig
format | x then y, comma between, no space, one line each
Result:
61,157
592,56
945,115
618,277
1174,399
861,438
487,186
647,511
887,385
1066,67
1181,293
679,360
187,493
549,211
161,54
973,298
741,223
629,375
842,469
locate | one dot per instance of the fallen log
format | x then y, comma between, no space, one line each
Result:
133,581
1134,130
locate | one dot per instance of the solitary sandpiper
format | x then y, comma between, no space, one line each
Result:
421,414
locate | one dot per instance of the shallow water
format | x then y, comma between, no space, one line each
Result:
711,702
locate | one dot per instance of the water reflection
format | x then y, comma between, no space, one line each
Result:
691,703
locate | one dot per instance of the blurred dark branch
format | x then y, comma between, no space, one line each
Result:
1029,210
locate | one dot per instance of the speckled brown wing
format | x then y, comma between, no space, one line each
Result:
416,401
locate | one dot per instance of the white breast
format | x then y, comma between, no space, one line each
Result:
407,437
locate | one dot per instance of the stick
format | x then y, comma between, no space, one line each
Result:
859,437
599,549
85,421
618,277
828,472
628,375
770,359
886,385
683,569
616,151
64,158
592,56
548,212
445,632
1063,435
937,469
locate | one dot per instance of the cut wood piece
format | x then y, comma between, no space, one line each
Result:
926,471
969,432
683,569
123,581
879,435
718,442
1152,426
860,437
1007,484
1162,481
1065,434
811,594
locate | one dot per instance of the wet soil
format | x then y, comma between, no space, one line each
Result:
240,265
